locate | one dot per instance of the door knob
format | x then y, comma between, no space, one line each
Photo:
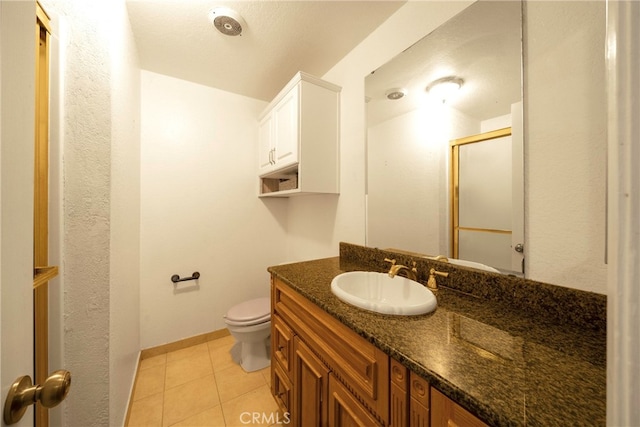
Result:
23,393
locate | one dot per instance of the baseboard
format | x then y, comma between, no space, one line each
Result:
184,343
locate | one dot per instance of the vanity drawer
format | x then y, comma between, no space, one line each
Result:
399,374
419,390
354,361
282,343
281,388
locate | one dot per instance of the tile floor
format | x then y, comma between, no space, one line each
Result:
201,386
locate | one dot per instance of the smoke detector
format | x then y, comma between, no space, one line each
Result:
227,21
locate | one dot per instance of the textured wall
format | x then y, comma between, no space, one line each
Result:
87,205
200,210
565,143
97,106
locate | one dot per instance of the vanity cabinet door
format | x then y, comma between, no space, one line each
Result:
446,413
345,410
311,387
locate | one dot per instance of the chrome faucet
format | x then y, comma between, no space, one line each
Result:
411,273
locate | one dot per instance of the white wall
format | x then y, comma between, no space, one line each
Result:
565,143
124,323
317,224
200,210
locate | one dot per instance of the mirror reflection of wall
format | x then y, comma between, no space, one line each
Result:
564,154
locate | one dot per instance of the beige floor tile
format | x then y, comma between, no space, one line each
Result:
256,408
234,381
153,362
147,412
150,381
186,352
189,399
221,342
266,373
210,418
220,354
189,368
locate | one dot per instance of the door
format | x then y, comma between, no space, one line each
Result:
265,148
287,125
17,109
483,211
345,410
24,229
310,387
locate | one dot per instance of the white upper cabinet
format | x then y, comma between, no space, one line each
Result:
299,150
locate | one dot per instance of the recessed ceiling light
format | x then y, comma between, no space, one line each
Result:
396,93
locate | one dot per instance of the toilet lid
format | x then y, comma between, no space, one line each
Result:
250,312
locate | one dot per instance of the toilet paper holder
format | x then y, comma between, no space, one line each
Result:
176,278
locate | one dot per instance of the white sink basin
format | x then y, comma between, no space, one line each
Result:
380,293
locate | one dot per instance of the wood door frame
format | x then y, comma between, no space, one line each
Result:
42,272
455,182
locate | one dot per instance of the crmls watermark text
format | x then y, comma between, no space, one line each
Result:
265,418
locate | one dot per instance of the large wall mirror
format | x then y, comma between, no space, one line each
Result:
534,68
444,170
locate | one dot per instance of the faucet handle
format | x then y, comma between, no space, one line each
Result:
392,261
431,282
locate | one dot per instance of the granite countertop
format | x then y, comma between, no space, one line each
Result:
507,366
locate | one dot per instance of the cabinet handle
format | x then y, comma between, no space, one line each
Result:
272,156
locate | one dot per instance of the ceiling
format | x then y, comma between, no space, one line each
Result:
176,38
482,45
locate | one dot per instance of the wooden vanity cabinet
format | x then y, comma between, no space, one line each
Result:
416,404
337,377
447,413
345,410
324,374
410,404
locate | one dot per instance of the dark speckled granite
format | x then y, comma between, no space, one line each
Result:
510,363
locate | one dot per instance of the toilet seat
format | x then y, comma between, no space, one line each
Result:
251,312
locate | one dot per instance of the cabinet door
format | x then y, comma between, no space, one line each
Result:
265,150
446,413
310,387
286,135
345,410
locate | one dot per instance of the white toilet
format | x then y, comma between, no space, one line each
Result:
250,324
